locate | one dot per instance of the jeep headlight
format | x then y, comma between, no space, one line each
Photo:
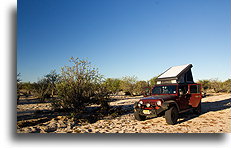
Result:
148,104
158,103
141,102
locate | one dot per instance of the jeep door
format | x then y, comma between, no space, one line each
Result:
195,94
183,100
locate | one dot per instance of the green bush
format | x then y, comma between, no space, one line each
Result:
152,81
18,86
113,85
227,85
205,84
215,85
140,87
80,85
41,89
52,79
26,88
128,84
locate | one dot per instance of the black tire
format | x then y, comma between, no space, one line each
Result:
171,115
139,117
197,110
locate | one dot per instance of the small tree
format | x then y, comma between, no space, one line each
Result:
128,84
216,85
80,85
52,78
113,85
26,87
18,86
205,84
140,87
152,81
227,85
41,89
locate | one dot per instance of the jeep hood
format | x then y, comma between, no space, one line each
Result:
159,97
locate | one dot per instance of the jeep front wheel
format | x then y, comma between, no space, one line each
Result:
139,117
171,115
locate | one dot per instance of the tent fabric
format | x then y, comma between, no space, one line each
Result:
177,74
174,71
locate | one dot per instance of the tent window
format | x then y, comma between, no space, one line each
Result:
195,89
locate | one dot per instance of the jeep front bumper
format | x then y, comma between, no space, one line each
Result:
148,112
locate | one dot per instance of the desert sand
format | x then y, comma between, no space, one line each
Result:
35,117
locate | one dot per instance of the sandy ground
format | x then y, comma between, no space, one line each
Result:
35,117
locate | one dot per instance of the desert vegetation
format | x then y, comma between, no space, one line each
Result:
81,85
80,92
215,85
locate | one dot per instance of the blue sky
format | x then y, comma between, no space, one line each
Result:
124,37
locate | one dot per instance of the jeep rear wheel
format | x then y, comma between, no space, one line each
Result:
171,115
139,117
197,110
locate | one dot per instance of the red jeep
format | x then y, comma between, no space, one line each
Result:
174,93
169,100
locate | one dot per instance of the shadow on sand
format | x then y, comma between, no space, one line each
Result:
91,115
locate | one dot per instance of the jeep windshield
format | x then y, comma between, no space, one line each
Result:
167,89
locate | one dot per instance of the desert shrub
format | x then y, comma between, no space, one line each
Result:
52,79
26,88
113,85
126,93
205,84
131,86
152,81
41,89
215,85
18,86
80,85
128,84
140,86
227,85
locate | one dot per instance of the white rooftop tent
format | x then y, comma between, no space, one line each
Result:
176,74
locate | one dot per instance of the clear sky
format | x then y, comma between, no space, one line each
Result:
124,37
